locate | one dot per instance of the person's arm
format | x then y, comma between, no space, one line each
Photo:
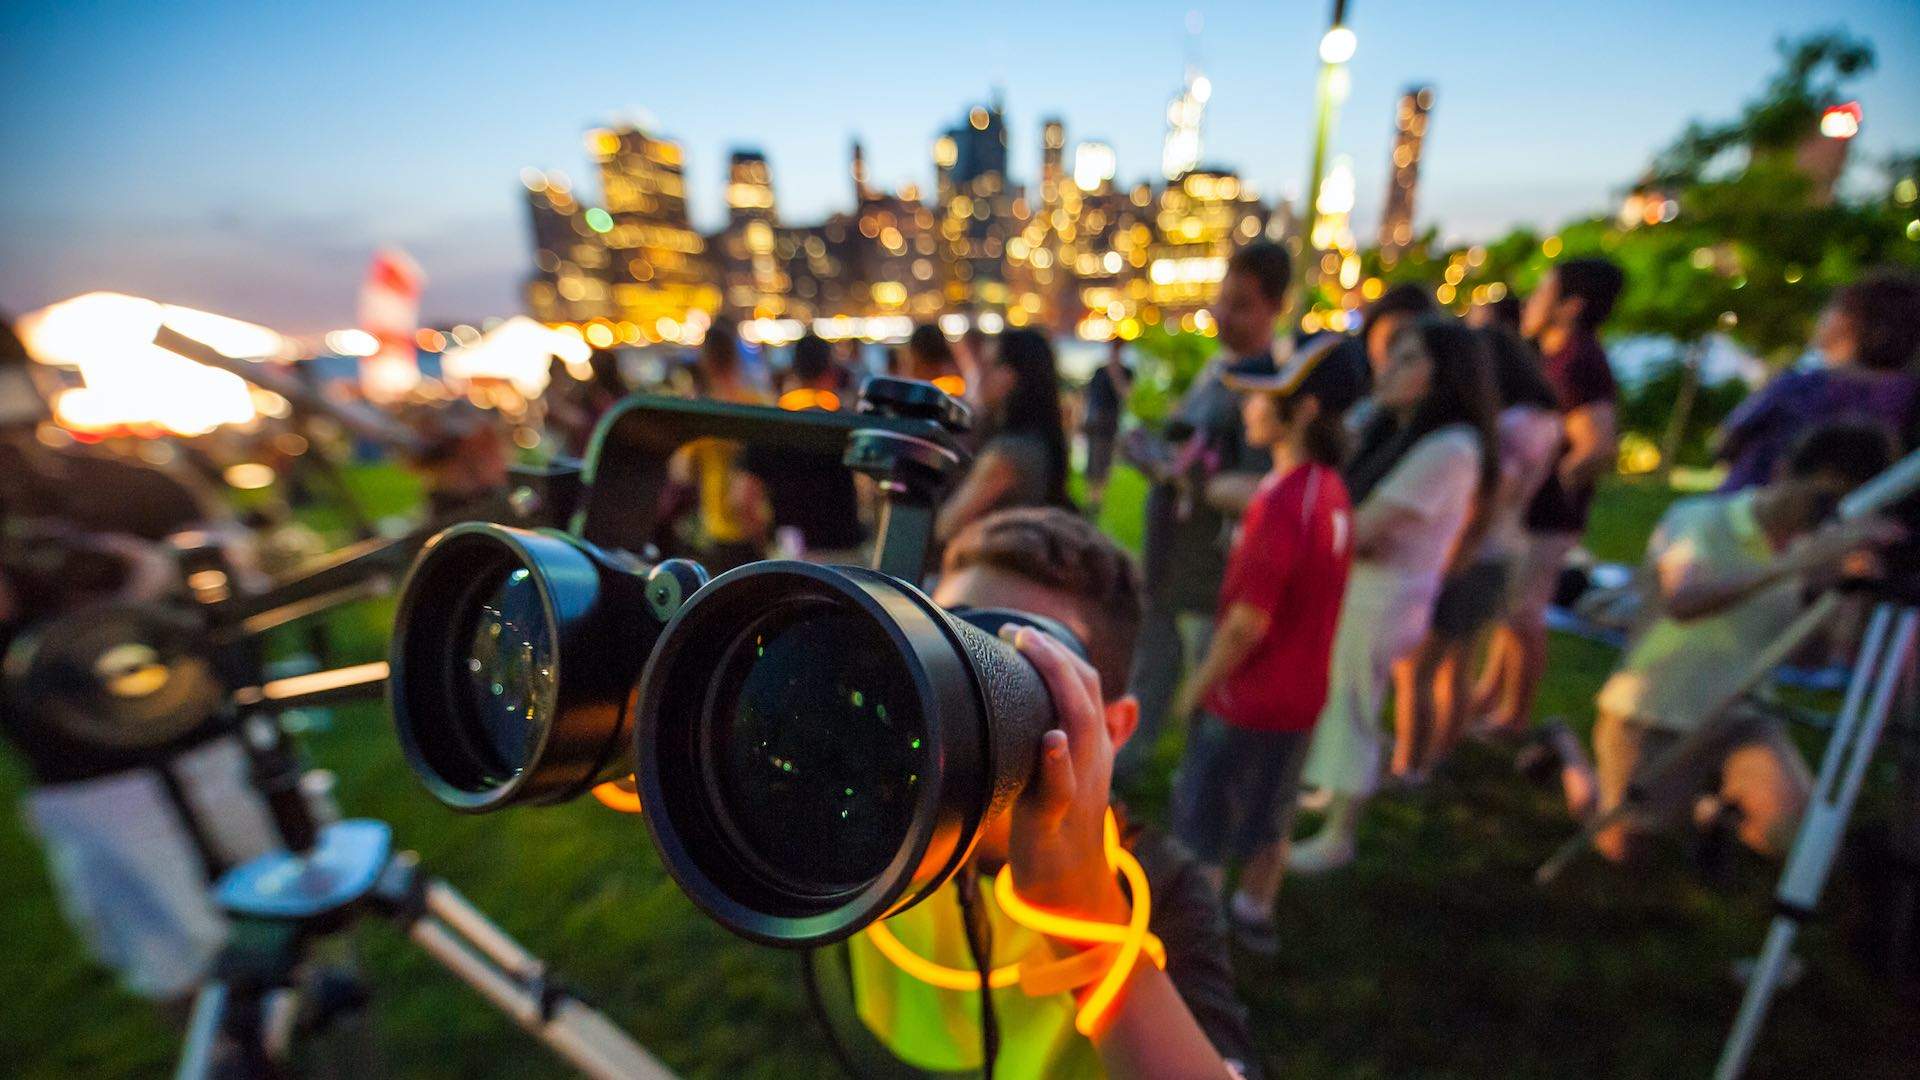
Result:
1746,419
1058,857
1688,593
1230,492
1239,633
1593,444
1377,522
992,476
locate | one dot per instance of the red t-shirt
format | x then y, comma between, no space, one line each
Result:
1289,560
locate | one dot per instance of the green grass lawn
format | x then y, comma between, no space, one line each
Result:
1434,956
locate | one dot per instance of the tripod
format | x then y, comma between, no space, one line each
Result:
1886,656
283,901
329,876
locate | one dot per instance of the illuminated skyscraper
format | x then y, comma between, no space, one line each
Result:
860,190
977,206
1197,224
658,266
753,278
569,257
1184,115
1053,153
1409,132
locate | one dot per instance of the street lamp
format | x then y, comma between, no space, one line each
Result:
1337,46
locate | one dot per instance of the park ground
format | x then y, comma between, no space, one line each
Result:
1434,956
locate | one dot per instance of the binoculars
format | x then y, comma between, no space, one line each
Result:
815,747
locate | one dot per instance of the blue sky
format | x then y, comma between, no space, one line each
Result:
249,157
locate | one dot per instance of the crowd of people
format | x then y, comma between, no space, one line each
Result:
1352,543
1351,546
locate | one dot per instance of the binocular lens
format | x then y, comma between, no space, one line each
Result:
815,747
819,746
513,655
510,675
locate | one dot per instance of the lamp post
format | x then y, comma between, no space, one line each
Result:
1336,48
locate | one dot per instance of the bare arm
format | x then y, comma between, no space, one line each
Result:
1230,492
1376,523
1686,594
1593,445
1058,859
992,476
1239,633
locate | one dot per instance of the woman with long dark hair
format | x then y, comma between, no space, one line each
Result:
1430,691
1427,461
1023,460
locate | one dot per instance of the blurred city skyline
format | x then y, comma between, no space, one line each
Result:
249,160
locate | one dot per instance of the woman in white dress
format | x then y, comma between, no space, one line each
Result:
1425,461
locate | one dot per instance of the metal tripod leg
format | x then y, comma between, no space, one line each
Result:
1884,658
468,944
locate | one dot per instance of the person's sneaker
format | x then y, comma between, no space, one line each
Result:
1316,799
1257,936
1321,855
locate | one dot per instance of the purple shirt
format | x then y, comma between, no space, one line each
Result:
1759,432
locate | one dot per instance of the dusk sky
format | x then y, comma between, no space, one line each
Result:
248,158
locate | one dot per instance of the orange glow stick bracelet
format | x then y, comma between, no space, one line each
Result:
1123,942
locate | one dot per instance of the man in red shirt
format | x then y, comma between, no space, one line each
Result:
1264,679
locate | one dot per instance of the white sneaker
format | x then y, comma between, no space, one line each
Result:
1320,855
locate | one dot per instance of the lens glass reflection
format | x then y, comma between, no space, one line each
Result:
816,746
510,682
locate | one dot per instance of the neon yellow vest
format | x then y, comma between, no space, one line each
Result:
939,1030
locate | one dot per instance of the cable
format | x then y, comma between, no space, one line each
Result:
980,943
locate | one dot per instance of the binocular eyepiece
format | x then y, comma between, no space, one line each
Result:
815,747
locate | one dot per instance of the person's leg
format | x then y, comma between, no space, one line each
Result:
1202,809
1624,754
1158,662
1413,706
1489,691
1547,554
1251,906
1768,783
1449,704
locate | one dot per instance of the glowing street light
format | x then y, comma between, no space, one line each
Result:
1338,45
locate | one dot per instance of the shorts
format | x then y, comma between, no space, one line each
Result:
1625,752
1100,443
1538,575
1472,599
1236,789
129,876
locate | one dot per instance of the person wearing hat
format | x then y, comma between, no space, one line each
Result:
1257,693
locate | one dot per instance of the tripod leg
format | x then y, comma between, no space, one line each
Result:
203,1032
1763,665
1883,661
466,943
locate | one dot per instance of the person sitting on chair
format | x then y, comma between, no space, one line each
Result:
1728,573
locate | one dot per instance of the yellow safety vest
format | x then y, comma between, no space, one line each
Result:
939,1030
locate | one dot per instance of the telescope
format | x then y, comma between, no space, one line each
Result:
815,747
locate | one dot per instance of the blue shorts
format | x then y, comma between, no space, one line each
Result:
1236,789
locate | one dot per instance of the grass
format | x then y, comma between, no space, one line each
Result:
1434,956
